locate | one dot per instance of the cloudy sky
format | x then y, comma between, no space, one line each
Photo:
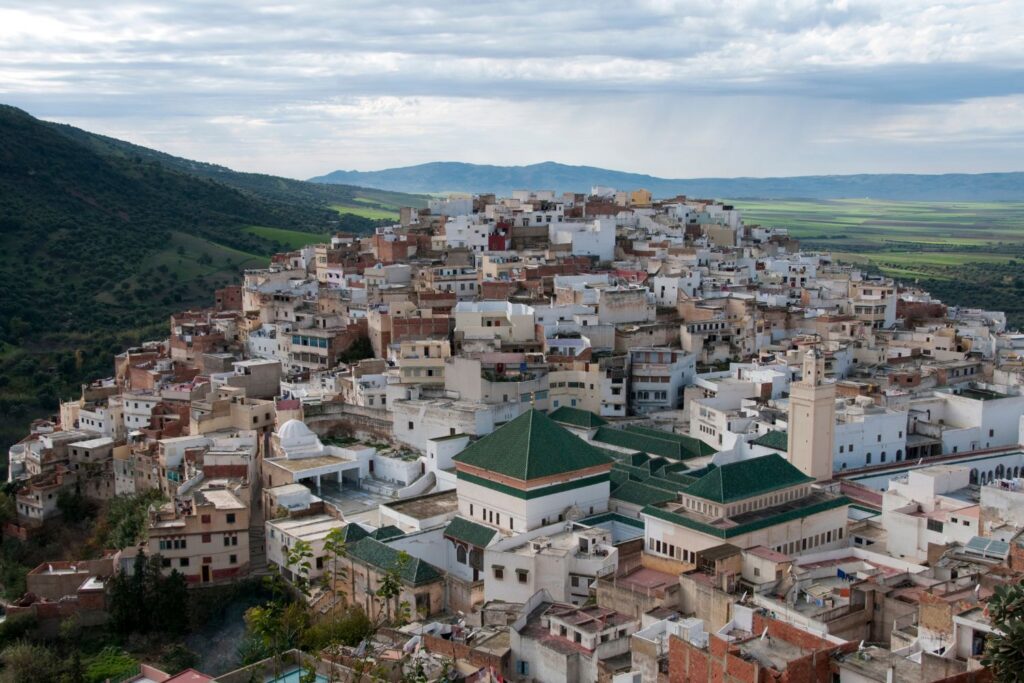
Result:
677,89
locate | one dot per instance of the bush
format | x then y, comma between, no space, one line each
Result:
349,629
25,662
16,627
177,658
110,662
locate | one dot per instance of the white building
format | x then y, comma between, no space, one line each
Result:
658,377
564,559
926,508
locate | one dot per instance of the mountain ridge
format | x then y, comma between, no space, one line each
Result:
447,176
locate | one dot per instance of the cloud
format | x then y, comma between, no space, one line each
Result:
382,83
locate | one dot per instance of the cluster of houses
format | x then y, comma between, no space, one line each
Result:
595,436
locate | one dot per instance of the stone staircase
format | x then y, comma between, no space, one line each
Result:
257,552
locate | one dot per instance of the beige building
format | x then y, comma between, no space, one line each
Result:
230,409
206,536
421,361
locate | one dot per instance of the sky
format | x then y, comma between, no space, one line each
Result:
675,89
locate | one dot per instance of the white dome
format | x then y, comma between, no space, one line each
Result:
294,432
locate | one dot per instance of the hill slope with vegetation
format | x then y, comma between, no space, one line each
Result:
102,240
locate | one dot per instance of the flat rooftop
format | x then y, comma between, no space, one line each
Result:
430,505
774,653
222,499
873,663
308,528
645,579
303,464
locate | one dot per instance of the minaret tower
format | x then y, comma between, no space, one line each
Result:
812,419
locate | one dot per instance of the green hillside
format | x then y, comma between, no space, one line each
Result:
102,240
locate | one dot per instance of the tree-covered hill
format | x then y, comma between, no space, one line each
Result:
101,240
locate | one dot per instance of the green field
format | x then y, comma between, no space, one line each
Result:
873,222
292,239
966,253
374,211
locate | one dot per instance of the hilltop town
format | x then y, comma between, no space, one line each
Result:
563,437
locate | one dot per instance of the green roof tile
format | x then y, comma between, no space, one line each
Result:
462,529
577,418
603,517
386,532
353,533
775,439
384,557
694,447
642,494
763,523
747,478
653,442
532,446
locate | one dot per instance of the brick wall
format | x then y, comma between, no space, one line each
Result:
455,650
228,298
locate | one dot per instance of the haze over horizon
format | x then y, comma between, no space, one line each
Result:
672,89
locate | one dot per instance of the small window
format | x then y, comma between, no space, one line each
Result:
206,538
522,575
233,559
183,562
205,519
231,518
499,572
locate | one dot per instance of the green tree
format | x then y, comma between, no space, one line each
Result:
26,662
390,590
299,561
1004,650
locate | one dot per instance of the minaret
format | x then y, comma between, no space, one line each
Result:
812,418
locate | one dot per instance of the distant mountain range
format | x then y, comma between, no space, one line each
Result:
449,176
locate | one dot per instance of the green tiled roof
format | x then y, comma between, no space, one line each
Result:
384,557
653,442
353,533
613,517
461,529
775,439
747,478
386,532
695,447
782,517
577,418
530,447
639,493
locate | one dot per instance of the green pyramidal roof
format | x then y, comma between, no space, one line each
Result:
577,418
747,478
530,447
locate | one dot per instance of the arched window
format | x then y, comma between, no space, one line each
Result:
974,476
999,471
460,554
899,454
